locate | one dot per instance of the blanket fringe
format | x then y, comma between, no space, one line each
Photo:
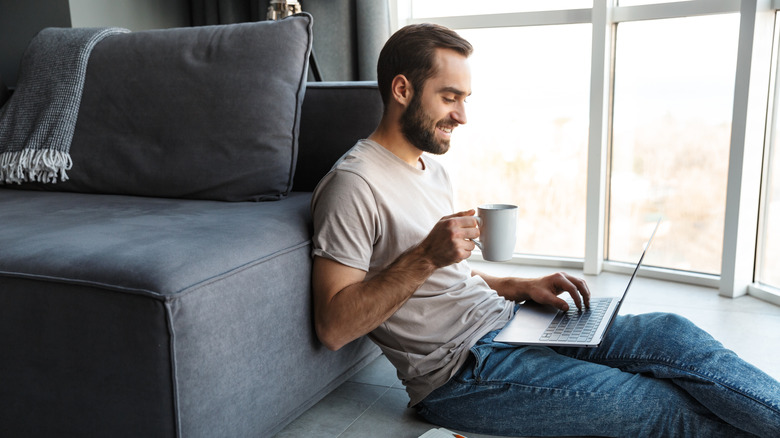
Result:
34,165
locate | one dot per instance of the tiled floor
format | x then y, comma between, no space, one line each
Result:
373,402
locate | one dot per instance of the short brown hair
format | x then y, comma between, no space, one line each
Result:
411,52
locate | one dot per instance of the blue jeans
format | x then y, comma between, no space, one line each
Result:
655,375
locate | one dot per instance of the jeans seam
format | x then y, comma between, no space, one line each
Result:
565,391
489,383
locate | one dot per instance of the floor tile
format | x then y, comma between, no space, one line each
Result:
335,413
380,372
391,416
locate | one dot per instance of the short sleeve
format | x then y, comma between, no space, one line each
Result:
346,220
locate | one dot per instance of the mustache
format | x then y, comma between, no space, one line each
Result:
450,123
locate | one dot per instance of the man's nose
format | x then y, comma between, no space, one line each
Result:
459,114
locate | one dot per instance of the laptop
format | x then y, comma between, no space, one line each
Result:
537,324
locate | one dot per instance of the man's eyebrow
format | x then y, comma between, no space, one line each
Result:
453,90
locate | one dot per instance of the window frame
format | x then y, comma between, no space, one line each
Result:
752,100
767,291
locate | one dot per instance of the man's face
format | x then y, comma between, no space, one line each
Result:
419,128
438,108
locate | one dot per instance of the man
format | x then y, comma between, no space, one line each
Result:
389,262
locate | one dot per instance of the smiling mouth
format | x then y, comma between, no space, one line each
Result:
446,129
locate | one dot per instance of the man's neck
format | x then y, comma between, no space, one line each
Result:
395,142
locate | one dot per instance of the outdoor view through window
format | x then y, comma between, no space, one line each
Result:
768,272
673,99
670,119
526,139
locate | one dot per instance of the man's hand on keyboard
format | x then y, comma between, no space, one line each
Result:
543,290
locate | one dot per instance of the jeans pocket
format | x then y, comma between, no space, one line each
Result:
484,355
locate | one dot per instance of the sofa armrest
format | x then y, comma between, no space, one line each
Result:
334,116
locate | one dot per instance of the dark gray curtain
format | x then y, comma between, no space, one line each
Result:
208,12
348,34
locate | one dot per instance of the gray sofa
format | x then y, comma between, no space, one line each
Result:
164,289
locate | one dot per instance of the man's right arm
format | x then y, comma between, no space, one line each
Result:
347,306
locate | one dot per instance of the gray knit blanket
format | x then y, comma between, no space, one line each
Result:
38,122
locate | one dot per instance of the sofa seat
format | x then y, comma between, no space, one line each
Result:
166,317
163,248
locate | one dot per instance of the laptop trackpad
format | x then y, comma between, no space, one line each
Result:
530,320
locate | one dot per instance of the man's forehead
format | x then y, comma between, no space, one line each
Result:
449,58
452,74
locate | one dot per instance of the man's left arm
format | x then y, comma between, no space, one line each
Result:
543,290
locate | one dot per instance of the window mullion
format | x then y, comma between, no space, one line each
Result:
600,91
747,145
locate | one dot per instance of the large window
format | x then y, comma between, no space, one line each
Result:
768,250
673,99
597,117
526,137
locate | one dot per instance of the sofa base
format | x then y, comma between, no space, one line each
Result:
120,318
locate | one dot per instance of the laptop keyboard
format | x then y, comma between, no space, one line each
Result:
575,325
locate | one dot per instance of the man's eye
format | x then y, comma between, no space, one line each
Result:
448,100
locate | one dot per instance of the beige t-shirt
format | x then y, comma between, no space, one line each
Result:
369,209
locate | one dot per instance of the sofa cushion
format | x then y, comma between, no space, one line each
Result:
147,245
201,113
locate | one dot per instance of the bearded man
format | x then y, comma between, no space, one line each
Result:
390,262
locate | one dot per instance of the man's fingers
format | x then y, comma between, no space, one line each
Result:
450,240
575,287
464,223
471,212
582,288
561,284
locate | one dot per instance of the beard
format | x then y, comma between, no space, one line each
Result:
420,129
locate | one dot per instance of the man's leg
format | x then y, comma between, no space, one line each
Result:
674,349
507,390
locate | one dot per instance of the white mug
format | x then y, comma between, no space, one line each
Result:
497,231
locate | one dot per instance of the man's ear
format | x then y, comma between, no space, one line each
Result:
401,90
